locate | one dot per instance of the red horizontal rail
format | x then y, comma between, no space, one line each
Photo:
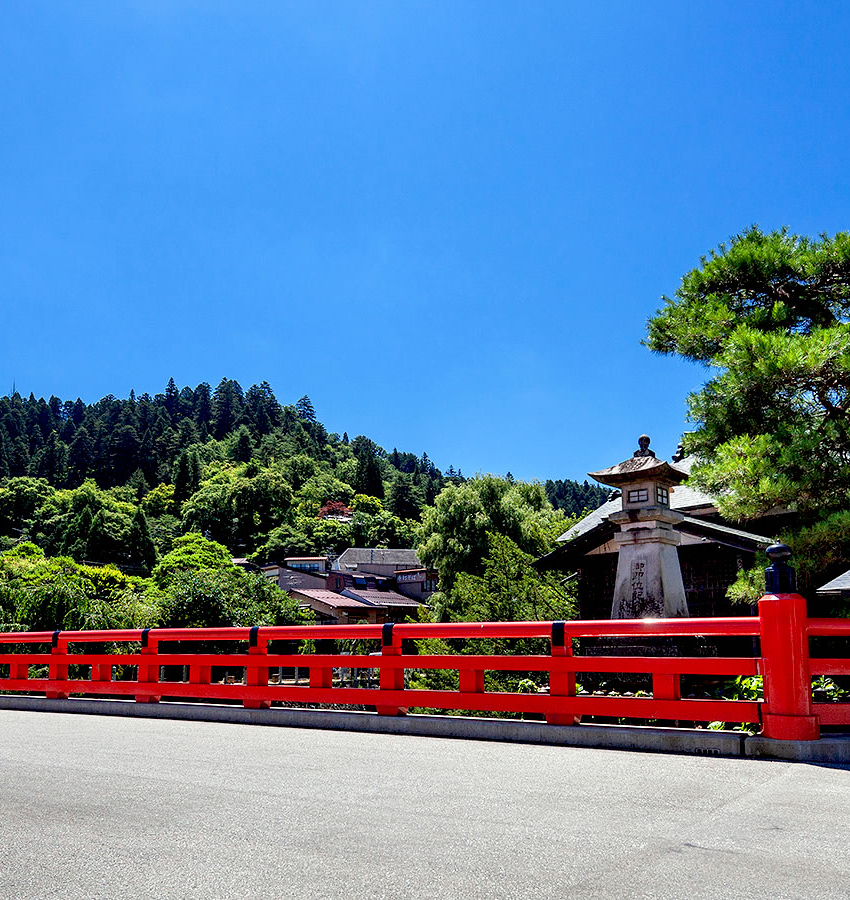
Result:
781,626
819,666
708,627
832,713
625,664
828,627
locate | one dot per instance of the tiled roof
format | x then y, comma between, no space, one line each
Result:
381,598
361,557
292,579
340,601
837,585
719,532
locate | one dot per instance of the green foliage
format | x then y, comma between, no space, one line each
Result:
453,535
828,691
192,552
211,597
776,282
160,501
574,498
20,498
367,476
365,504
508,590
743,687
42,594
770,314
748,587
405,498
822,549
140,546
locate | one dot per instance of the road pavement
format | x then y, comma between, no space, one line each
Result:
96,807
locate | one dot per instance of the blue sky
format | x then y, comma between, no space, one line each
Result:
447,223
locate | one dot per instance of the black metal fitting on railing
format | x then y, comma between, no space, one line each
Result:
252,636
387,634
145,637
54,641
558,637
779,576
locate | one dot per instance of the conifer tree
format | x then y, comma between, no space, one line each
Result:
140,546
305,410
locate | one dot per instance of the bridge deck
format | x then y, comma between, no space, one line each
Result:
96,807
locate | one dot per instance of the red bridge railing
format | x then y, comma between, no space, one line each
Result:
787,711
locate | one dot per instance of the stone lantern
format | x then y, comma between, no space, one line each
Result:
649,579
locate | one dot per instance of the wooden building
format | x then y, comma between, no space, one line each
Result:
711,550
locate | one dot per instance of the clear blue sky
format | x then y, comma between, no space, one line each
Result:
447,223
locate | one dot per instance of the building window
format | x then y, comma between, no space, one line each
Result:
639,496
662,495
430,584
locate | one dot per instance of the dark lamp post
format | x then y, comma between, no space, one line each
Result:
779,576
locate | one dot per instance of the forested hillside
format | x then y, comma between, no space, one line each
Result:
118,480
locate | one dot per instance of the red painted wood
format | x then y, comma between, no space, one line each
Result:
787,712
832,713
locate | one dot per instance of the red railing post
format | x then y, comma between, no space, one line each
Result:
322,676
19,671
199,674
391,679
256,675
148,672
57,671
787,710
471,681
101,672
561,684
666,686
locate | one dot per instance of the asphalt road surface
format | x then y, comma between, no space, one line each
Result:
107,808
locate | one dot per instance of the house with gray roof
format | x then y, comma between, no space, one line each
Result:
396,568
377,560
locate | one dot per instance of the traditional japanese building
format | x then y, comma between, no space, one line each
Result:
658,547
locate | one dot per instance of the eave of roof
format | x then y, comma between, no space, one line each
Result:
330,598
381,598
838,585
723,534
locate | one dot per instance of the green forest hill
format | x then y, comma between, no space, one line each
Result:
165,489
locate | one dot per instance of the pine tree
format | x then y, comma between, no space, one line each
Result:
139,484
4,462
203,404
194,471
244,446
140,546
75,543
182,478
227,407
405,497
367,476
172,399
100,546
305,410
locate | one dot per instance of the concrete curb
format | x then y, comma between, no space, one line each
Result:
833,749
830,749
613,737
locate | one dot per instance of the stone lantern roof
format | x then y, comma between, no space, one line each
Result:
643,466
